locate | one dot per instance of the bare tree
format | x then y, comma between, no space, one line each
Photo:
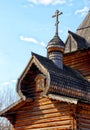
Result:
7,97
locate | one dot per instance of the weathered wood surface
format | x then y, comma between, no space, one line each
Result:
83,117
45,114
80,61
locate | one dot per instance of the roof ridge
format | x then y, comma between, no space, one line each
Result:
83,28
85,24
70,32
56,69
35,54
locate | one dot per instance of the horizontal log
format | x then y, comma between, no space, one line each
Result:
43,109
76,55
50,124
40,121
42,116
85,121
43,106
84,116
77,61
43,113
84,106
40,101
80,128
66,127
83,125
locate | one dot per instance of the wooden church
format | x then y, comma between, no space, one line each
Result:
55,90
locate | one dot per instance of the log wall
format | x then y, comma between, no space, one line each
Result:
79,61
45,114
83,117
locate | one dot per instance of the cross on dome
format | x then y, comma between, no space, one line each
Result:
57,13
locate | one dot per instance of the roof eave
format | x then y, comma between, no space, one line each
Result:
63,98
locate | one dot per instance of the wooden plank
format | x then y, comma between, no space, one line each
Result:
84,116
83,125
79,61
50,124
43,107
40,121
66,127
39,113
85,121
43,115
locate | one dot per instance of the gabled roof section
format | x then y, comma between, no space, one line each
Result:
81,43
75,42
86,22
34,67
51,67
65,82
59,80
81,39
84,28
66,85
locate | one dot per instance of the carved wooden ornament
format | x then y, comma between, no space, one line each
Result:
40,82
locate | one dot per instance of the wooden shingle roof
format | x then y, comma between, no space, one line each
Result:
56,41
84,28
66,82
81,39
81,42
66,85
75,42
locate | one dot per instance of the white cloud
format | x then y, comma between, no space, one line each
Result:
47,2
43,44
71,2
27,39
14,81
32,40
55,2
5,84
82,11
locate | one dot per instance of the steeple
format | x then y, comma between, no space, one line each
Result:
55,47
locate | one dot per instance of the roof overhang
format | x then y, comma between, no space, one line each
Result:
42,69
63,98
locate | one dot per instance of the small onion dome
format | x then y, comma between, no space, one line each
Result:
55,44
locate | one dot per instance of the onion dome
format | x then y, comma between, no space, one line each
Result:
55,47
55,44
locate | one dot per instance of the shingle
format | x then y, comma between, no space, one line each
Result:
81,42
81,39
55,41
67,78
84,28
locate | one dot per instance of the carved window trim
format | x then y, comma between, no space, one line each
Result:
40,79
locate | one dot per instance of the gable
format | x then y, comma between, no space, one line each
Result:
31,78
75,42
84,28
56,80
53,82
70,45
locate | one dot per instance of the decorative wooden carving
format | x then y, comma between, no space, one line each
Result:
40,82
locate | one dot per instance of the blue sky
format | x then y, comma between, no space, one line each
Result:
27,25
